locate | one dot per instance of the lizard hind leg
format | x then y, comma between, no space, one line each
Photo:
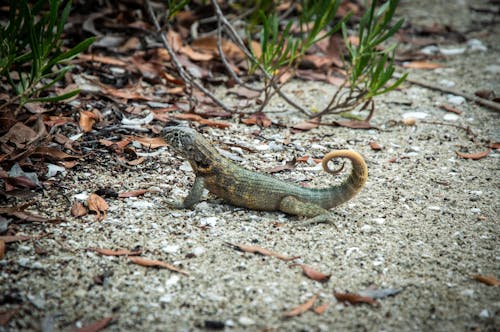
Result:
314,212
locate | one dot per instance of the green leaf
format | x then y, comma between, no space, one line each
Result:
68,55
54,98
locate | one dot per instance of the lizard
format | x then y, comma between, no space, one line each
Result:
245,188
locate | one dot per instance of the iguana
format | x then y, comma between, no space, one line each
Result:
245,188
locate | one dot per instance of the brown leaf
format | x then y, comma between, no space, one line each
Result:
409,121
354,298
287,166
261,251
97,204
422,65
260,119
120,252
196,56
19,135
449,108
488,280
301,308
197,118
313,274
485,93
53,153
18,212
78,210
87,120
304,159
320,310
132,193
95,326
155,263
15,238
6,316
107,60
354,124
150,142
375,146
474,156
307,125
2,251
495,145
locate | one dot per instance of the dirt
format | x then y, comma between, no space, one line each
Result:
425,224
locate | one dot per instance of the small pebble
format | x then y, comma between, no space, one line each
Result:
209,221
198,251
484,313
452,117
434,208
170,249
452,51
457,100
245,321
475,45
415,115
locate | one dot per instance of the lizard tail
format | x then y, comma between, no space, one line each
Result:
356,180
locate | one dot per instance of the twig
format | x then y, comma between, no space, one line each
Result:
184,75
250,56
481,101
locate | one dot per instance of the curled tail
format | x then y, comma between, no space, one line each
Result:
356,180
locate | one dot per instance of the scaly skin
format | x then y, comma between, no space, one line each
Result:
245,188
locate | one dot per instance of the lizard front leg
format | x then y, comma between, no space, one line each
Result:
316,213
193,197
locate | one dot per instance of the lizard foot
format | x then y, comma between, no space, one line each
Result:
327,218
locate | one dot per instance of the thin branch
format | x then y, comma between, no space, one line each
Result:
184,75
250,56
481,101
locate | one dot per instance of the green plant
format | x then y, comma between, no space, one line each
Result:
370,66
32,58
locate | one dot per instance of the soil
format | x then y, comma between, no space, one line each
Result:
424,225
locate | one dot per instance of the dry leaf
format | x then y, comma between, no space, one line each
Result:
449,108
197,118
87,120
261,251
150,142
132,193
375,146
313,274
78,210
488,280
485,93
354,298
302,308
53,153
6,316
155,263
260,119
196,56
495,145
95,326
107,60
18,212
474,156
97,204
422,65
354,124
409,121
2,250
320,310
307,125
120,252
287,166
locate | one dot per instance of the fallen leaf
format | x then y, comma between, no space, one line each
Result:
132,193
2,251
449,108
307,125
155,263
87,120
261,251
20,213
375,146
78,210
313,274
107,60
15,238
354,298
198,118
53,153
301,308
195,55
485,93
287,166
488,280
97,204
354,124
474,156
409,121
259,118
120,252
320,310
304,159
95,326
6,316
495,145
150,142
422,65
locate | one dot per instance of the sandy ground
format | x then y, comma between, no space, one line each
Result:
426,222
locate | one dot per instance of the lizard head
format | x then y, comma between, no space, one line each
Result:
191,145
